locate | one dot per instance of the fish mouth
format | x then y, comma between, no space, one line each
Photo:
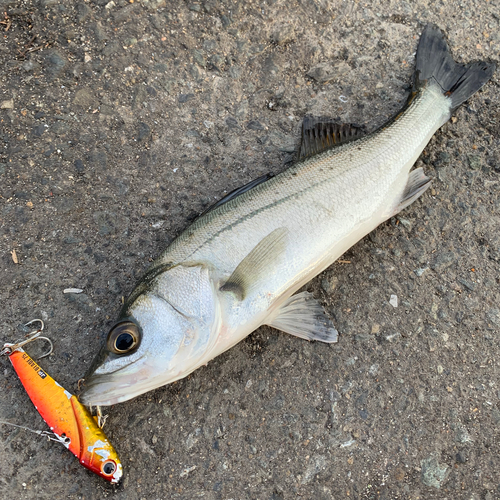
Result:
110,387
125,383
104,390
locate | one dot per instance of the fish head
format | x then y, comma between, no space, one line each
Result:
161,335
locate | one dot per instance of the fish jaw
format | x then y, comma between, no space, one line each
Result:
107,390
104,386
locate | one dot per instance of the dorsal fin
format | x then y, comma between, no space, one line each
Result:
322,133
236,192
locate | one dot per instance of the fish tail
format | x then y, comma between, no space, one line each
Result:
434,61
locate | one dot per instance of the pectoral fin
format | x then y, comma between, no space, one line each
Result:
258,264
416,186
303,316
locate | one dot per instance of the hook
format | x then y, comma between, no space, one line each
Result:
49,352
10,348
101,419
42,325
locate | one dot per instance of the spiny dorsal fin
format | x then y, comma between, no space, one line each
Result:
321,133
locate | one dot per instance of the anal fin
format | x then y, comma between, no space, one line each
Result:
416,186
303,316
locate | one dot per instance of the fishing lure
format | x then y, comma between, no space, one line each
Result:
70,422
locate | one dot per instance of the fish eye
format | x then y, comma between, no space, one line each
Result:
108,468
123,337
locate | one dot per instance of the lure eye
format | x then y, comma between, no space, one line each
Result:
123,337
108,468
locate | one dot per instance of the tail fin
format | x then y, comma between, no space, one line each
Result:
434,60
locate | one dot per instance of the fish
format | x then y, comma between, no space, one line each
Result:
70,422
239,265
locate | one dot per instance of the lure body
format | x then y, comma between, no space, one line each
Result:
67,418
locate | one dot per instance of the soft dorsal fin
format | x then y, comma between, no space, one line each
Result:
236,192
321,133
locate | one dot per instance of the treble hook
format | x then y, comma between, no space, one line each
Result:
10,348
42,325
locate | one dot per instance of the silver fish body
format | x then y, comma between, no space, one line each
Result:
237,267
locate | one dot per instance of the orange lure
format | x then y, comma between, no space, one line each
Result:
68,419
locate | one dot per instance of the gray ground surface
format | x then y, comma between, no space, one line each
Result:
123,121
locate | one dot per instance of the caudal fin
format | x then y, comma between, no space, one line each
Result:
434,61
